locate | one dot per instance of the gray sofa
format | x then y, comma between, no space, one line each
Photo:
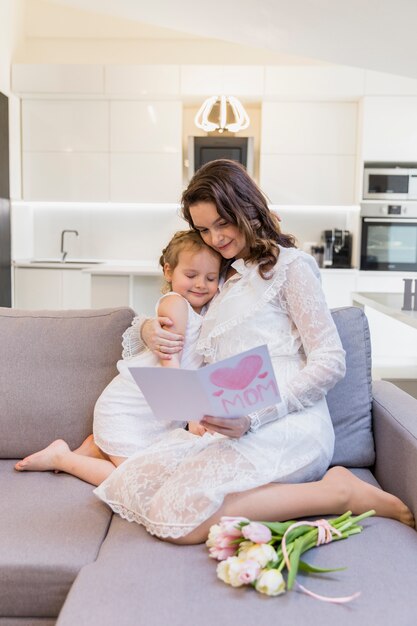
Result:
65,559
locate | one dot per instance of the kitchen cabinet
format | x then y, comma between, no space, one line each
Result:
136,286
314,82
99,150
50,288
57,78
389,129
110,291
142,80
239,80
308,152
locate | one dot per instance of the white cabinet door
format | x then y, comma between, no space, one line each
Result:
75,290
390,129
308,152
42,288
37,288
110,291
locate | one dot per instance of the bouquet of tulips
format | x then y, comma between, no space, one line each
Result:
257,553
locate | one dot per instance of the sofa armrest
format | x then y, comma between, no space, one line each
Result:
395,432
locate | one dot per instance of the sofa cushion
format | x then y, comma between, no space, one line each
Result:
51,525
350,400
138,579
52,394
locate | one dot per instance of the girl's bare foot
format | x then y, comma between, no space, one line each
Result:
44,460
358,496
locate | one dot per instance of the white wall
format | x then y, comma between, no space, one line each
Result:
139,231
106,230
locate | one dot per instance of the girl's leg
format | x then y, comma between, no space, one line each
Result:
90,448
337,492
58,457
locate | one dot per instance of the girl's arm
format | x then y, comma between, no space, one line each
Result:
149,332
175,308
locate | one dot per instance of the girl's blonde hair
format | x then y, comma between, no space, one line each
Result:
182,240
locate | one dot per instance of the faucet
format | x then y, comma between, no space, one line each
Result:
64,254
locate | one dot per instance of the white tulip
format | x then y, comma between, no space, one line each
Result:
262,553
270,582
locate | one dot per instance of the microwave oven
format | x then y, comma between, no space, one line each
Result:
390,183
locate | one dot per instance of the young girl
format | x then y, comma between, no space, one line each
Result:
270,464
123,421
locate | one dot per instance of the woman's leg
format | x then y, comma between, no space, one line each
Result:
337,492
58,457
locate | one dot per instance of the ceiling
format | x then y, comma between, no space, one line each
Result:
373,34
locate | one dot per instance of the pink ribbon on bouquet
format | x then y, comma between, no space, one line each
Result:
325,532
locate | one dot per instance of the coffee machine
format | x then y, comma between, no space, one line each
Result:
337,248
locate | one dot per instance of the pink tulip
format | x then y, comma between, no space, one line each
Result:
256,532
228,525
224,541
221,554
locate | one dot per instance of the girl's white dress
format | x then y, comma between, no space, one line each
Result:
182,479
123,421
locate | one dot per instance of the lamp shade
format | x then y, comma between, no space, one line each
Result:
222,113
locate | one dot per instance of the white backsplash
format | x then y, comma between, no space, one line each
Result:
139,232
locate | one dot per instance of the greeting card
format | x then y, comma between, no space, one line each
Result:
231,388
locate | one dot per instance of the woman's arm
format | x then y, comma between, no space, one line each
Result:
325,358
325,364
152,333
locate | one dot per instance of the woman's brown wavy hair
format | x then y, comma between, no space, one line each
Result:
239,200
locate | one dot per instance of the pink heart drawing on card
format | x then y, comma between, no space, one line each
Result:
218,393
263,375
240,376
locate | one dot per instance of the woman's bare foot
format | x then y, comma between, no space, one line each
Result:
359,496
44,460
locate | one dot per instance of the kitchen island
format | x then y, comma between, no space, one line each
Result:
393,331
388,303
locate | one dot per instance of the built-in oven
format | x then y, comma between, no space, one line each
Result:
389,237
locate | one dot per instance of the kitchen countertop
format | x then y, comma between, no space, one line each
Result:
94,266
124,268
121,267
388,303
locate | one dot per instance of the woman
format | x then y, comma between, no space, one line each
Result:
266,465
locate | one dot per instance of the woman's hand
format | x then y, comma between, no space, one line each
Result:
235,427
160,341
196,428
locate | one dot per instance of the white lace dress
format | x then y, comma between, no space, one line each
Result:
123,421
180,481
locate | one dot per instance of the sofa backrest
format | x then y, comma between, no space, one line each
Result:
53,367
350,401
55,364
